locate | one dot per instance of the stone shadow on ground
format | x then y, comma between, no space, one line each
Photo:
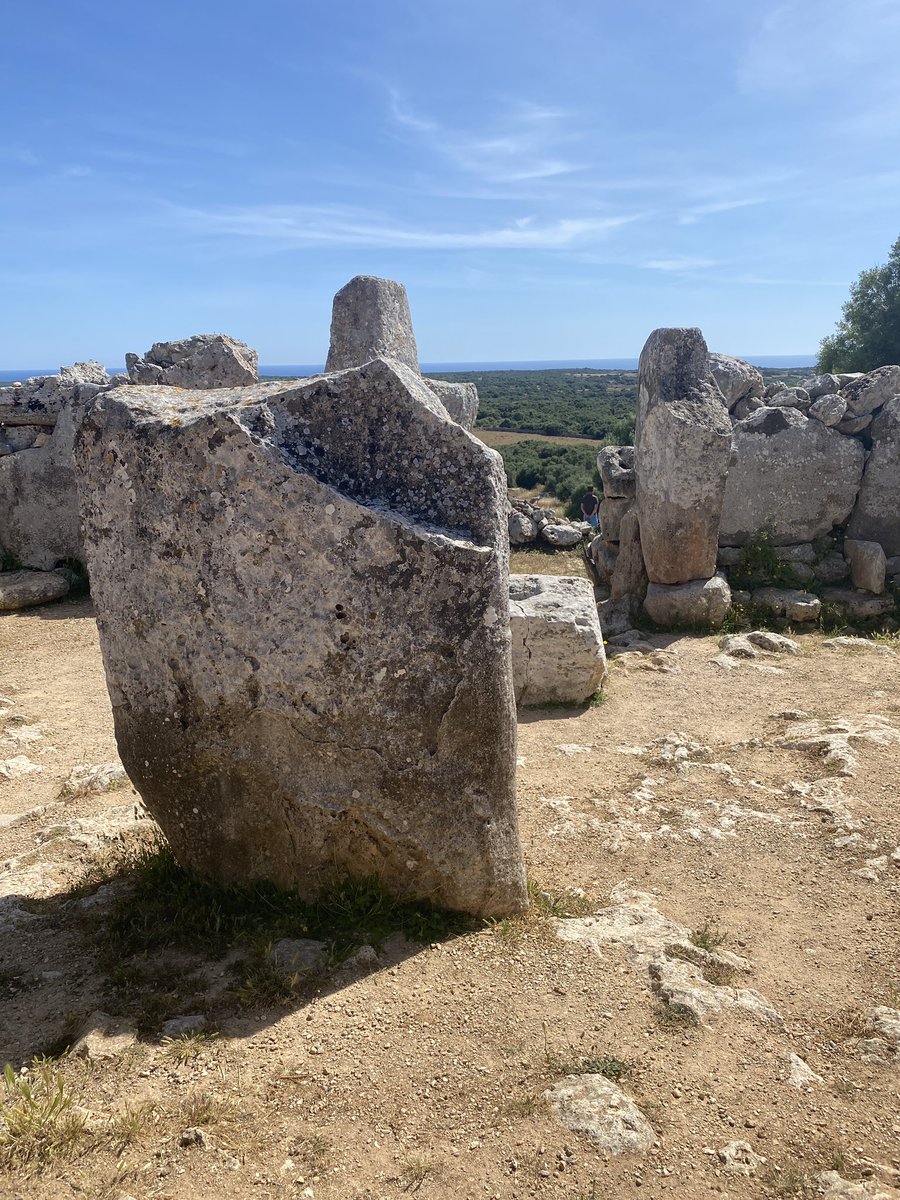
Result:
64,959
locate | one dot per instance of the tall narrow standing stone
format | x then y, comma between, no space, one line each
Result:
682,450
370,318
303,608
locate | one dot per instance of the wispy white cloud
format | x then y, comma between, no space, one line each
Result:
298,226
694,214
681,262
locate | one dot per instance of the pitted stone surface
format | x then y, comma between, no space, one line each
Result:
203,361
370,318
736,379
459,399
682,451
302,599
557,643
876,517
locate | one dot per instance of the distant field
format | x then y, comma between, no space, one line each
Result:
506,437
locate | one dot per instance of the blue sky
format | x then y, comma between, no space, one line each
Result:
549,179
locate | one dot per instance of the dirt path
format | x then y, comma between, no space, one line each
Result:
423,1072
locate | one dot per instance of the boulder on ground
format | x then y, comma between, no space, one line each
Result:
868,565
615,465
789,603
862,606
821,385
370,318
698,603
876,517
736,379
629,576
789,475
620,614
25,589
829,409
560,536
522,528
557,644
302,596
204,361
871,391
599,1110
682,451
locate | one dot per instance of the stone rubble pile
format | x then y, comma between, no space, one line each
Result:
529,523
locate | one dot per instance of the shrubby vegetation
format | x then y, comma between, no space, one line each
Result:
570,403
563,471
868,334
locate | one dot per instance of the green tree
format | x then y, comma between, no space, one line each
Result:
868,334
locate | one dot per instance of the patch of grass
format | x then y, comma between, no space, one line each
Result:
415,1170
548,562
709,937
790,1180
760,565
558,904
127,1126
203,1109
597,699
187,1046
676,1017
847,1024
524,1106
314,1151
38,1122
719,974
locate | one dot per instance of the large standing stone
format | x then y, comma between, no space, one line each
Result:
370,318
699,603
736,379
876,517
302,598
629,576
791,476
206,360
683,446
557,644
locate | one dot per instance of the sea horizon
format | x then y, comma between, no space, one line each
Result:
301,370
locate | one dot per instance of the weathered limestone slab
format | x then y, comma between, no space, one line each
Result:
302,597
862,605
557,644
791,476
522,528
789,603
612,510
868,565
682,450
876,517
735,379
204,361
25,589
459,399
615,465
629,576
699,602
871,391
370,318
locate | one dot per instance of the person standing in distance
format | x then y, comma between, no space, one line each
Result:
590,508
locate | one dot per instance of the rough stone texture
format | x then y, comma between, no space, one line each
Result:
103,1036
557,644
291,956
736,379
204,361
868,565
835,1187
791,476
629,576
789,603
594,1106
821,385
699,602
739,1158
853,425
615,465
829,409
871,391
862,605
682,451
795,397
832,568
459,399
522,529
744,408
370,318
876,517
560,536
611,513
773,643
302,597
25,589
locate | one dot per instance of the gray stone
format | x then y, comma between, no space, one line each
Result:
745,407
620,614
682,452
603,557
801,573
802,553
829,409
522,529
181,1027
698,603
789,603
867,565
892,564
302,597
561,536
557,644
736,379
615,465
103,1036
835,1187
294,956
739,1158
370,318
873,390
861,605
459,399
821,385
876,517
831,569
26,589
773,643
594,1106
773,388
850,426
611,513
203,361
790,476
629,576
729,556
735,645
795,397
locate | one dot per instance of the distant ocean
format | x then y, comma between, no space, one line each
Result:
297,370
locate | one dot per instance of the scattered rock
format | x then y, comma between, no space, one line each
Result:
738,1158
773,643
871,391
858,643
837,1188
868,565
204,361
735,645
861,605
801,1075
294,956
789,603
194,1138
561,536
25,589
522,529
594,1106
832,740
179,1027
99,777
829,409
16,767
557,642
886,1022
103,1036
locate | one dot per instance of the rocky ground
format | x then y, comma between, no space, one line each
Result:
702,1003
